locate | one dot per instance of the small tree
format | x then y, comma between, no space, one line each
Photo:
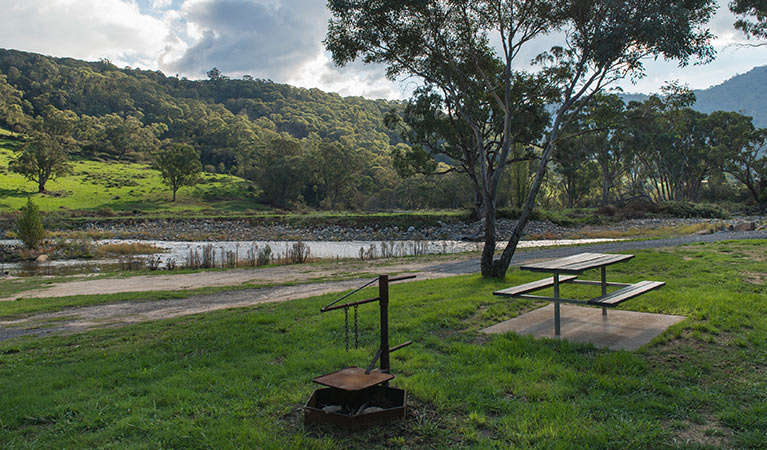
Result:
41,159
29,225
179,165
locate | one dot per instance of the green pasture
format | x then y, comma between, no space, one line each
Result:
239,378
106,187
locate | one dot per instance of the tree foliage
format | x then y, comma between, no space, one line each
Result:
40,159
29,225
448,45
752,17
179,165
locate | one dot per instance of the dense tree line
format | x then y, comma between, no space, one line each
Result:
272,134
306,147
663,150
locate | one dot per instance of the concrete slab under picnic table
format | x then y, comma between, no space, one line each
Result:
619,330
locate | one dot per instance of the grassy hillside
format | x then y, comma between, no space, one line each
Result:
118,186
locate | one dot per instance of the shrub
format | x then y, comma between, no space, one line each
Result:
29,225
688,209
79,248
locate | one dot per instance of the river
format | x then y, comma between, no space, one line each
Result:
189,253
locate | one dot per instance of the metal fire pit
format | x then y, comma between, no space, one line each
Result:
355,399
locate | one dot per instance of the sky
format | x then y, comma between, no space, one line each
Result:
279,40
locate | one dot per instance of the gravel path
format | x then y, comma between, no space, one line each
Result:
521,257
118,314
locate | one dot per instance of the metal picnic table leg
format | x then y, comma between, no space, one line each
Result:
556,305
604,287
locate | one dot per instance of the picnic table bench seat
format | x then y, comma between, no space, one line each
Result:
621,295
533,286
566,270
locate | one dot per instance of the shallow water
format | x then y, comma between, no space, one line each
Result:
182,251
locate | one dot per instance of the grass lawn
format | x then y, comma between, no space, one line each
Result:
119,186
239,378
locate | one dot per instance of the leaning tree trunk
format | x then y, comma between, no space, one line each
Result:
498,268
488,250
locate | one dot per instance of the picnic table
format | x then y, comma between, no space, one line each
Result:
567,270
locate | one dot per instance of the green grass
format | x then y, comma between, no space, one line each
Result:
112,187
239,378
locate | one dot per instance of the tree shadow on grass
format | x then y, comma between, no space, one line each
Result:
18,193
143,205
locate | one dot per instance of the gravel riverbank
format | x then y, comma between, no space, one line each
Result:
189,230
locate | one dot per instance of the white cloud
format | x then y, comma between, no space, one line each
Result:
263,38
276,39
86,29
353,80
161,4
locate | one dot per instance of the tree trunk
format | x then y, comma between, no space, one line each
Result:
605,183
498,268
488,250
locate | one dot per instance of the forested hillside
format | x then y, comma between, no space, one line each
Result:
299,146
206,111
744,94
296,148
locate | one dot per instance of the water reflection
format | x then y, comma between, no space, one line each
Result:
244,252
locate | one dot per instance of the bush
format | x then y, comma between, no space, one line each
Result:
29,226
80,248
689,210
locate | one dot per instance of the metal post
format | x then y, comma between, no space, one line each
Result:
556,305
383,295
604,287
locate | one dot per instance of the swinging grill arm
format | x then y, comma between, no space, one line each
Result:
378,355
330,307
403,277
348,305
350,293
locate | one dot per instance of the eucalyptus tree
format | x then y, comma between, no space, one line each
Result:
432,124
41,159
743,149
603,117
179,165
572,160
457,45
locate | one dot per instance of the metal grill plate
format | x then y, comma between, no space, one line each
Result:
353,379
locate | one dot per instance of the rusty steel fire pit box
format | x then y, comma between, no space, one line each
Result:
355,397
355,409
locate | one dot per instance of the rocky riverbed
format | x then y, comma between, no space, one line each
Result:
244,230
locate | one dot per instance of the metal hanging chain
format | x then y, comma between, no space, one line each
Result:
346,328
356,330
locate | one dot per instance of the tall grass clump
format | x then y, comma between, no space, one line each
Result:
128,248
298,253
29,225
264,256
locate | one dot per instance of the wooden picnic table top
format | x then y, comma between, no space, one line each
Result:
576,264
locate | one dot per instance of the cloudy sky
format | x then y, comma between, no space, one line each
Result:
276,39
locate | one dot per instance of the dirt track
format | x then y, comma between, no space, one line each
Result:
116,314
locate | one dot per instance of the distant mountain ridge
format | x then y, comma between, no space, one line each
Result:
745,93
